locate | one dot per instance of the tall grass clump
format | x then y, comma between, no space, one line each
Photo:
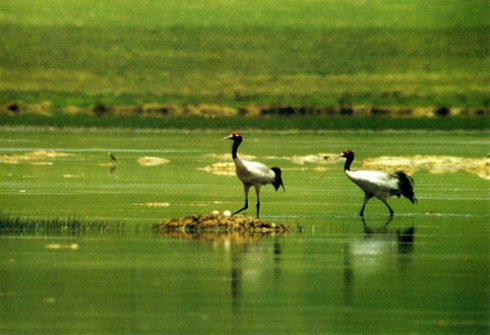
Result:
48,226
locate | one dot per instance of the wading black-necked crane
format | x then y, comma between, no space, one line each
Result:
379,184
253,173
112,157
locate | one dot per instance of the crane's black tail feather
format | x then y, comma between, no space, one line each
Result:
406,185
278,179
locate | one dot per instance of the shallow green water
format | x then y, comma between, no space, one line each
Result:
424,272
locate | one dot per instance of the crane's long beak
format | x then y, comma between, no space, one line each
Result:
229,137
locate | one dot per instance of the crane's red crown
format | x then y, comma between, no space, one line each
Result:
347,153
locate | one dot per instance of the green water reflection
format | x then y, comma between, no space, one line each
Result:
424,272
400,278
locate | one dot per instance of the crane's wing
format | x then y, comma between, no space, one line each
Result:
373,182
253,172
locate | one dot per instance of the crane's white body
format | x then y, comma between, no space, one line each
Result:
375,183
253,173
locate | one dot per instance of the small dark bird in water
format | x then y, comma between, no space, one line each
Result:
253,173
379,184
112,157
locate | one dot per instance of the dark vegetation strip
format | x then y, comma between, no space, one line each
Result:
241,122
48,226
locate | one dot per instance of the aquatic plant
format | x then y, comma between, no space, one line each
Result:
15,225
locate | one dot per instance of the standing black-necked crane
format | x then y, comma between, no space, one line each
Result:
253,173
379,184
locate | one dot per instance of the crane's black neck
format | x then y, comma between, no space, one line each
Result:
234,148
348,161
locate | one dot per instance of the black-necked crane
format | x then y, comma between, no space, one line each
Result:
253,173
379,184
112,157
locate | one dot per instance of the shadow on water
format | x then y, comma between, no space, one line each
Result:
378,244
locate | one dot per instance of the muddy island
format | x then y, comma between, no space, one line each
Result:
220,223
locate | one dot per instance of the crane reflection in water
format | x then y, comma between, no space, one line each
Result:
371,255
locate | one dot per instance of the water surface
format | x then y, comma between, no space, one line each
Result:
425,271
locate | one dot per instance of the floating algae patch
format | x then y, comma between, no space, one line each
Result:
41,163
320,158
226,157
218,223
409,164
220,169
153,204
433,164
58,246
152,161
35,158
223,168
228,168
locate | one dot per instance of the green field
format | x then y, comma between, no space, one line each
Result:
235,53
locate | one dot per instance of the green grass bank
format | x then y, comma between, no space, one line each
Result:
234,53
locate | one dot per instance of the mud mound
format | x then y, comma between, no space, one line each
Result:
220,223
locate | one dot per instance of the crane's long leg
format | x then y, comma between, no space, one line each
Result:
366,199
257,191
246,188
391,210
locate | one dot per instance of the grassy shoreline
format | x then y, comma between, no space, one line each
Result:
71,56
154,116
